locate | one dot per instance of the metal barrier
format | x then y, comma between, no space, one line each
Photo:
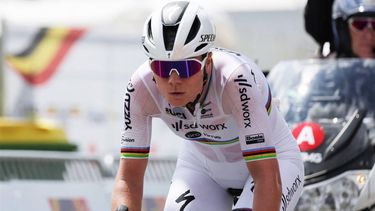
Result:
71,166
41,165
158,169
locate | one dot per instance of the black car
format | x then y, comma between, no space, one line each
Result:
330,107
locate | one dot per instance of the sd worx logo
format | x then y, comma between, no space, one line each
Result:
180,125
243,86
288,194
128,121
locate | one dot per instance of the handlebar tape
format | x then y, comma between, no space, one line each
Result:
122,208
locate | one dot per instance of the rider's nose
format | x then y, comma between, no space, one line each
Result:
174,77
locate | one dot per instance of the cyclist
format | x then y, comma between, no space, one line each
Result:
220,102
354,28
347,25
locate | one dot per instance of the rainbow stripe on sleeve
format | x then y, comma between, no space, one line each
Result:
135,152
269,101
259,154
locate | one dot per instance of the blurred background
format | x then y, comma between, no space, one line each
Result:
66,63
69,61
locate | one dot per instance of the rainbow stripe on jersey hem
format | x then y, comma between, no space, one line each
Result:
213,142
135,152
259,154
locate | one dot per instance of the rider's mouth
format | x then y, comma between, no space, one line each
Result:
176,93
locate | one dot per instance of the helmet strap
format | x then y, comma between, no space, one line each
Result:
205,76
201,96
191,105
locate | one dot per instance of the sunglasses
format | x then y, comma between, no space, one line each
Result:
184,68
362,23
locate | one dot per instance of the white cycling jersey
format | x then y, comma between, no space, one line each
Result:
236,122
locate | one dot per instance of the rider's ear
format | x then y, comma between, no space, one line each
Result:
209,60
207,67
209,57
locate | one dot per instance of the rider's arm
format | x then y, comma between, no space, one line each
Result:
267,191
246,96
128,188
135,145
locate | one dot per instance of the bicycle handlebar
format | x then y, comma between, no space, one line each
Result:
122,208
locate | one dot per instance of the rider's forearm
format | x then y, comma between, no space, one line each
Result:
129,194
128,188
267,196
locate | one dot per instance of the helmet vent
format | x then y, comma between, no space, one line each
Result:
193,30
144,47
169,33
200,47
149,31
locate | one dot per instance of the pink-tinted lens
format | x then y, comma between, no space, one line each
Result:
373,24
184,68
359,24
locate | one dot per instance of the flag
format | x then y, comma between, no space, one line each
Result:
40,59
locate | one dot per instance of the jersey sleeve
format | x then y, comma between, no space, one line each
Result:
138,108
247,96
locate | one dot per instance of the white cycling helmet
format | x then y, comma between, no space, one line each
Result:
178,30
347,8
342,10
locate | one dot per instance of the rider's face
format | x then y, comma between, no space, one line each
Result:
363,41
180,91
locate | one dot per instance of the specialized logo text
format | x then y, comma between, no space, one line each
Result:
207,38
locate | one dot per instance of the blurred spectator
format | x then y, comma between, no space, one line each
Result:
318,24
349,31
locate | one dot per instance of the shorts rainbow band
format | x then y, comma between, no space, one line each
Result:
135,152
259,154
